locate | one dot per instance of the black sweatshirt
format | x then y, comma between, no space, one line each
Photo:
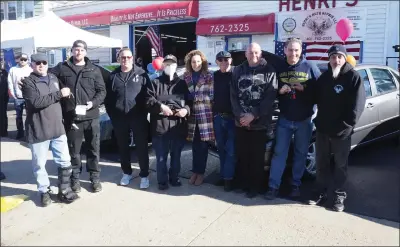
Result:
340,101
222,83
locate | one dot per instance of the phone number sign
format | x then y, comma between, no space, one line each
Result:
231,28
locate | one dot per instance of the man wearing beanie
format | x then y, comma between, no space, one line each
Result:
81,112
340,97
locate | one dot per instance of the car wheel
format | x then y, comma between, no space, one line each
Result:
311,164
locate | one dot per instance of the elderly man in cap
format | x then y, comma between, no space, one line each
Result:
15,75
224,122
81,112
44,128
168,104
340,98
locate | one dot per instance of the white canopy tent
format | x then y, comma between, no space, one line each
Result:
47,32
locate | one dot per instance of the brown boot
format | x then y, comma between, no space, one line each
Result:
193,178
199,179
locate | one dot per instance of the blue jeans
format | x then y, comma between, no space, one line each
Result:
19,105
224,128
200,153
164,144
59,148
302,131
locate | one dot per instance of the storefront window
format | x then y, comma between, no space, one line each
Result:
29,8
238,43
12,10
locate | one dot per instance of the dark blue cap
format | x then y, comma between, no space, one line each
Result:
337,49
223,54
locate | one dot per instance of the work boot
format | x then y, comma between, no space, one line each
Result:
295,192
45,198
338,204
95,179
76,186
65,193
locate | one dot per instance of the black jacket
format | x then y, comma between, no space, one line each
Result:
3,85
44,120
340,101
173,94
126,96
222,85
87,85
253,90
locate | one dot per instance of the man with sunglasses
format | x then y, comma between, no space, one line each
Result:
224,122
15,75
81,112
45,129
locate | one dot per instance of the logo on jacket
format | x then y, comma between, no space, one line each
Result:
338,89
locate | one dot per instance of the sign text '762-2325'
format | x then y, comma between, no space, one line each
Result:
230,28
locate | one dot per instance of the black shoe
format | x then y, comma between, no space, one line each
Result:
67,197
175,182
251,194
295,193
163,186
5,134
2,176
318,198
228,186
271,194
76,186
220,182
338,204
45,198
96,187
20,135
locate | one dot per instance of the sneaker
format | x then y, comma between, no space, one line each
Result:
338,204
45,198
163,186
96,187
295,193
144,183
175,182
318,198
271,194
76,186
125,180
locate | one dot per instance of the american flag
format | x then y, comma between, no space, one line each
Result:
318,51
153,34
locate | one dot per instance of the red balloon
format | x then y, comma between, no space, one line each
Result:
344,28
157,63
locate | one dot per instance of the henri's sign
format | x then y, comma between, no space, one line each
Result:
296,5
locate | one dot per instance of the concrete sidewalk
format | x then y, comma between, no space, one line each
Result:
187,215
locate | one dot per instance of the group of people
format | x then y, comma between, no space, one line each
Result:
232,106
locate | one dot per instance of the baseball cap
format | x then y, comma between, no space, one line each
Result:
79,43
37,57
337,49
223,54
170,58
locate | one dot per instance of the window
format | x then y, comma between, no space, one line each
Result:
238,43
29,9
365,79
12,10
384,80
2,15
52,59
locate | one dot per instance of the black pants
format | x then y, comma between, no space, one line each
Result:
140,128
250,150
325,146
3,116
90,129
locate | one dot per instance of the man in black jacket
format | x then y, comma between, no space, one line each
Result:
253,91
81,112
44,129
167,101
3,101
340,97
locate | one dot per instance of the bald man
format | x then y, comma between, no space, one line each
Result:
253,91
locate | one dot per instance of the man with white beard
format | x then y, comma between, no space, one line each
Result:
340,97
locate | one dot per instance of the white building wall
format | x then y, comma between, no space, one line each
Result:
102,54
120,32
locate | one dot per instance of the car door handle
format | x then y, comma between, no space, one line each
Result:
370,105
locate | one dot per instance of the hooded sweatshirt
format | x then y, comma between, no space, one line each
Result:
340,101
14,76
253,90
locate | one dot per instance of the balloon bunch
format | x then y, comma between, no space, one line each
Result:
156,65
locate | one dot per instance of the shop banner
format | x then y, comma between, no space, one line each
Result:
320,25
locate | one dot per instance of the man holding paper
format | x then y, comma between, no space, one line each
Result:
81,112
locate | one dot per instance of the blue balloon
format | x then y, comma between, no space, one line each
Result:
150,68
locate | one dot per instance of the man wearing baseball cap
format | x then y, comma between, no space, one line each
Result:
168,104
224,122
340,97
81,111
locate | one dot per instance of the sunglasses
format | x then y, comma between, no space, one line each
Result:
126,57
223,59
23,59
41,62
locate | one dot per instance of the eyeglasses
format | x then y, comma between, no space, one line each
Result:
40,62
126,57
23,59
223,59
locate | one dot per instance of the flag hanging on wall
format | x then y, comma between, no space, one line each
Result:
153,34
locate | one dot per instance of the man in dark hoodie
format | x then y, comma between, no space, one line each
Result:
296,110
340,97
126,105
81,112
168,104
253,91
